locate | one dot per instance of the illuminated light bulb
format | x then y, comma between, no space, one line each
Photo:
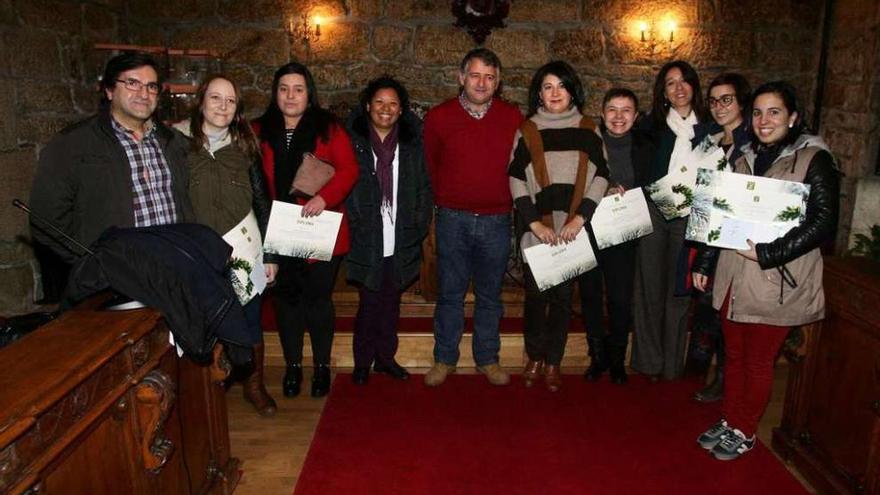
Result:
670,24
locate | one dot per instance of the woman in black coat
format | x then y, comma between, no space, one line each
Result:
390,210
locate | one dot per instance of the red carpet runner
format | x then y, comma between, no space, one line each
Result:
467,437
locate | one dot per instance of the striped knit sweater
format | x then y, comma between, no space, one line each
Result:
563,139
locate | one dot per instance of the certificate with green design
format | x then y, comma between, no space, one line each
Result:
729,208
246,270
552,265
621,218
673,194
291,234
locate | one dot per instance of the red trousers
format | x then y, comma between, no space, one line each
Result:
750,353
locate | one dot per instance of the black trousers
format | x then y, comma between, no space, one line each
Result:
303,300
613,279
378,315
547,315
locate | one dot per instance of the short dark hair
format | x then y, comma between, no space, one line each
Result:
385,82
485,55
788,94
125,62
570,81
659,107
740,84
620,93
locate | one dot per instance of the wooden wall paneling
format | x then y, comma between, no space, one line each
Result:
92,404
831,418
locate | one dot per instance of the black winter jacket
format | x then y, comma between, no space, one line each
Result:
643,150
83,183
178,269
414,206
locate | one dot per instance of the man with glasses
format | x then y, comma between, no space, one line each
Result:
120,167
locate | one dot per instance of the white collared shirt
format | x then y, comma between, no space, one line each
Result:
389,215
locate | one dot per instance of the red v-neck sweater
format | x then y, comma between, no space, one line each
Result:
467,157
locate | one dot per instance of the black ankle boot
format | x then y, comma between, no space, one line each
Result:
293,378
616,358
598,360
321,380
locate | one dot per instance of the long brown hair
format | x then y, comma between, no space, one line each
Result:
239,129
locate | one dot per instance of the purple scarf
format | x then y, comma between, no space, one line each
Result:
384,159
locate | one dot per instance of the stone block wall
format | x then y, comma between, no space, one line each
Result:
851,111
415,41
48,69
46,82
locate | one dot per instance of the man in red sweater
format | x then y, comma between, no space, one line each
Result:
468,140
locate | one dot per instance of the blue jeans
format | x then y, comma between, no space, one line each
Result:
469,247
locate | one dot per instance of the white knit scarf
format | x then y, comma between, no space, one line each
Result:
684,132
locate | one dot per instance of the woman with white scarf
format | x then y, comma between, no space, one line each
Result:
660,316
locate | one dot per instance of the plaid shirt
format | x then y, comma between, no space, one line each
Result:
150,177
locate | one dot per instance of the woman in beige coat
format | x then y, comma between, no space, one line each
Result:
763,291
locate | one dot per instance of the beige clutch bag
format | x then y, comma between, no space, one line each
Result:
311,176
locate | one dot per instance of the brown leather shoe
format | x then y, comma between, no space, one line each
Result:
532,371
255,390
552,378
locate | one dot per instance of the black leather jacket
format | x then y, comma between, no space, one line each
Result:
820,223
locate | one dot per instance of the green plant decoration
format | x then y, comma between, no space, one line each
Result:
722,204
869,247
788,214
686,192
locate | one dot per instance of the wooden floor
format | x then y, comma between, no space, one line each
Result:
273,450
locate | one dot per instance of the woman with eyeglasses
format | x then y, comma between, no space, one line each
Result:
660,316
728,97
292,125
226,184
558,175
763,291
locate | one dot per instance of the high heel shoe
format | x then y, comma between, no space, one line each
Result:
532,371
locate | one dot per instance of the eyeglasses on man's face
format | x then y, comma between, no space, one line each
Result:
723,101
135,86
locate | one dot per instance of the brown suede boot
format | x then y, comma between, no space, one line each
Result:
552,378
254,388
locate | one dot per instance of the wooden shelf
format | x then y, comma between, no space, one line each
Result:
164,50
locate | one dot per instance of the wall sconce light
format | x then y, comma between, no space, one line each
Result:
302,31
670,26
647,30
643,28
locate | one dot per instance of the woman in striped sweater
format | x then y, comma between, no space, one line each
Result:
551,204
